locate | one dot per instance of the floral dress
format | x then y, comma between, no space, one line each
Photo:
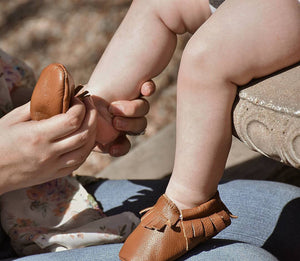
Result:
59,214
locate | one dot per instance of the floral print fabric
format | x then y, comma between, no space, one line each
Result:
59,214
14,74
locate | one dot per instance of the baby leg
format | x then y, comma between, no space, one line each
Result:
241,41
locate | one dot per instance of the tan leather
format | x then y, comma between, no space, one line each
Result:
52,93
166,233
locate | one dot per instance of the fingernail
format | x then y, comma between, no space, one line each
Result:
148,89
115,107
119,124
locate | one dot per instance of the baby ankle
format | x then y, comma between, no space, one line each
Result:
187,201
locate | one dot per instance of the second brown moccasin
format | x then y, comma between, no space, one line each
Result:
166,233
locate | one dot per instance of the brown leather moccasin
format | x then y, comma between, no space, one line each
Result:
166,233
53,92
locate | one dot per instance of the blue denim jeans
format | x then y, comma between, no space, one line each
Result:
268,226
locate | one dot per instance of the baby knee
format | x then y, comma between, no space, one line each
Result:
201,68
203,58
198,58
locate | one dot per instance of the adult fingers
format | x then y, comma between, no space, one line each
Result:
73,159
20,114
102,148
119,147
85,134
65,171
130,125
64,124
76,157
132,109
148,88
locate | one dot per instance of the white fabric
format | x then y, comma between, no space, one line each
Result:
212,9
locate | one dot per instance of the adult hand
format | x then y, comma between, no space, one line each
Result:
34,152
128,118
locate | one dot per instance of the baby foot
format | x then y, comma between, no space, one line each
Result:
166,232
